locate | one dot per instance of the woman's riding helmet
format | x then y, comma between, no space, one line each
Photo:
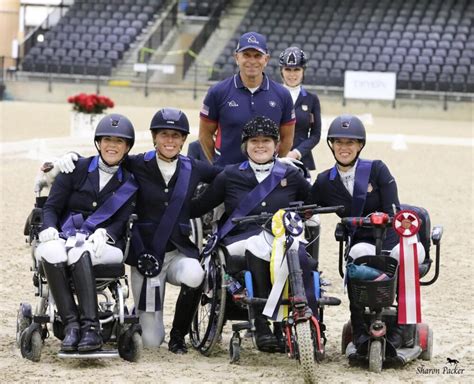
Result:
260,126
292,57
115,125
170,118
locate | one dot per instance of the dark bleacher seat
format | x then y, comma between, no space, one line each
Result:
458,82
321,76
403,80
416,81
80,45
353,66
470,83
113,56
393,67
431,81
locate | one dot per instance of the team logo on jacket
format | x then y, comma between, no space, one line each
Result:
304,107
370,188
284,182
233,103
272,103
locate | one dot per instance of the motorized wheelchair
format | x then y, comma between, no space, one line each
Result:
118,326
228,296
377,296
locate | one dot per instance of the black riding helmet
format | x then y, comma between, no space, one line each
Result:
260,126
170,118
115,125
346,127
292,57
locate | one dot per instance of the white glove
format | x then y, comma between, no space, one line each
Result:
290,161
48,234
66,164
98,240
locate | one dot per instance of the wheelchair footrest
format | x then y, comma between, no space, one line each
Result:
329,300
106,353
41,319
240,326
130,319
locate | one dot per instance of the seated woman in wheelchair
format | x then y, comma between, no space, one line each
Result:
261,184
363,187
84,223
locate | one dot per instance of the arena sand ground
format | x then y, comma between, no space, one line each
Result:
433,164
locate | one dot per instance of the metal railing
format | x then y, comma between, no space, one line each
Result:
157,37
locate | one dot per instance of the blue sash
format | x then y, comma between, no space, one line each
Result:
249,202
164,230
75,222
361,183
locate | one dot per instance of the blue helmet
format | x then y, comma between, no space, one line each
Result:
347,126
115,125
170,118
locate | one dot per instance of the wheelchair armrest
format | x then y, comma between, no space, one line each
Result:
436,234
35,218
341,232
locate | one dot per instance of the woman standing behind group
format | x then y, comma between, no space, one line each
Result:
307,107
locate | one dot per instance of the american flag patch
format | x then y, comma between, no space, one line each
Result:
205,110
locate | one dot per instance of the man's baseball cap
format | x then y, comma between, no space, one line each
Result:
252,40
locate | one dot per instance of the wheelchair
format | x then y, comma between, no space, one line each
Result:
118,326
378,296
228,296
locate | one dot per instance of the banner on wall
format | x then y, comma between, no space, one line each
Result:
370,85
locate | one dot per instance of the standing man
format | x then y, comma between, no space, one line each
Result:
231,103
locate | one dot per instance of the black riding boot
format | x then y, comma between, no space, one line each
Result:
260,270
58,283
84,282
185,309
359,329
313,241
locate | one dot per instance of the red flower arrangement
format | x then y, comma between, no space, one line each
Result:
90,103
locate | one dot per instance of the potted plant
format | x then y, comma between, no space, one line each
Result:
88,109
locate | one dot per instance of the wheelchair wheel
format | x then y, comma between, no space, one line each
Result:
306,351
425,336
130,345
346,336
207,323
23,321
375,356
31,343
197,232
234,348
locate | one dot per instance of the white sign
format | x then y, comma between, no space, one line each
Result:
165,68
370,85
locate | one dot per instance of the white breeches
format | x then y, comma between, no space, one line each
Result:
177,269
365,249
54,251
260,245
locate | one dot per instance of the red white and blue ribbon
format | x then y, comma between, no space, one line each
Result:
407,224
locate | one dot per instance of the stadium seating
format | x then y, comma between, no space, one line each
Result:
428,43
92,35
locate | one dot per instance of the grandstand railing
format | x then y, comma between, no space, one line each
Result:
50,21
203,36
157,37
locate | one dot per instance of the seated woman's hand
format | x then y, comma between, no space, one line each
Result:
48,234
98,240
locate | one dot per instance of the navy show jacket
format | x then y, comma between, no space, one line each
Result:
78,192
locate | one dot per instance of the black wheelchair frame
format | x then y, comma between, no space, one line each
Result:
303,330
118,326
377,297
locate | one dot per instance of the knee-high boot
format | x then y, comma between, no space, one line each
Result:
186,306
84,281
260,270
359,329
58,282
